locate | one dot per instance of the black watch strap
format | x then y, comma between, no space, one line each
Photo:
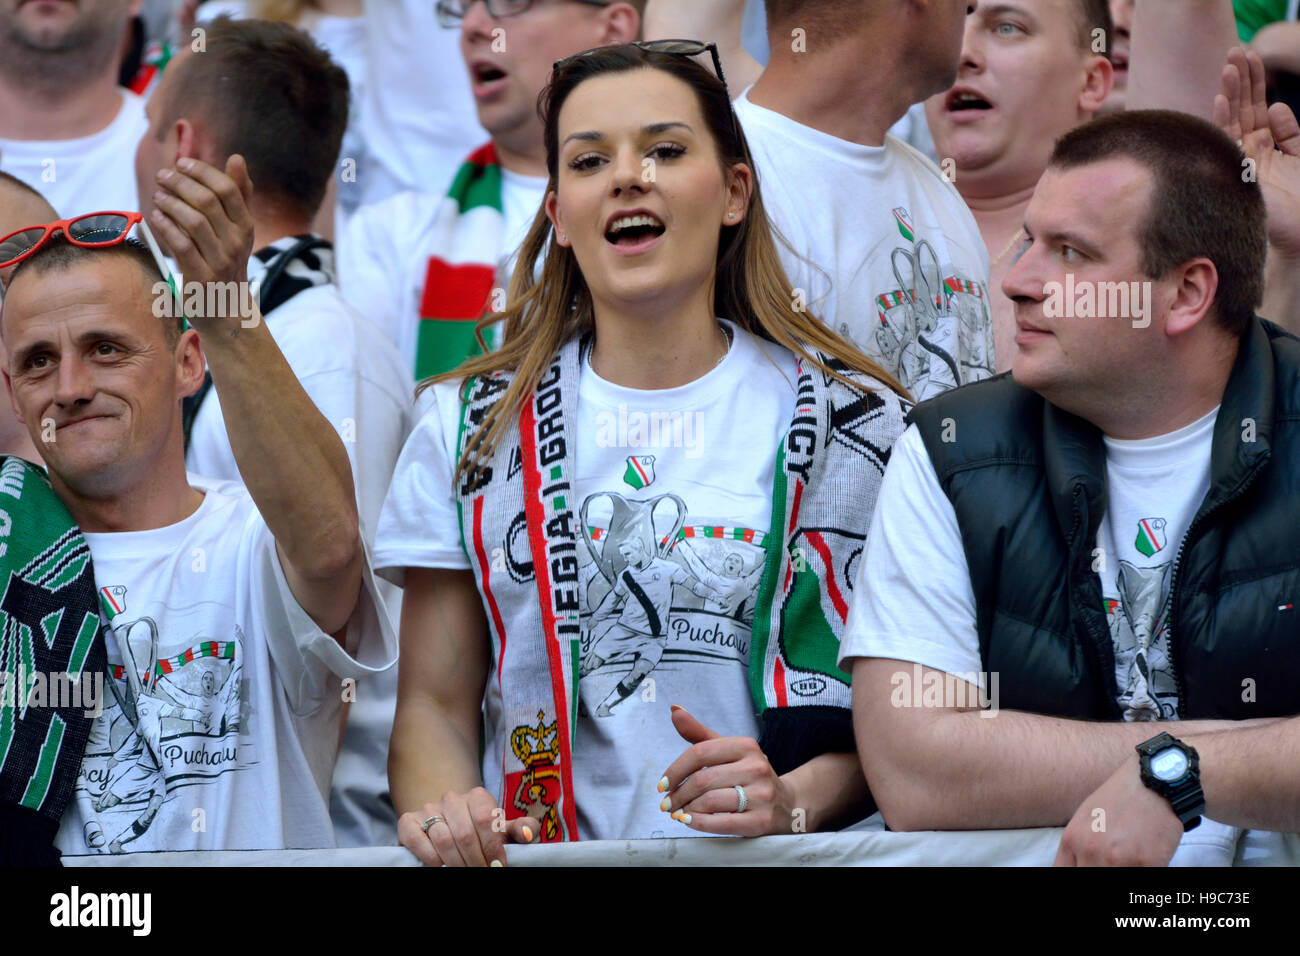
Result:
1188,804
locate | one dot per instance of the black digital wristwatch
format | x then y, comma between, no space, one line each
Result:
1172,769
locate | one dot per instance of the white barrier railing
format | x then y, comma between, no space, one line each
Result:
1208,845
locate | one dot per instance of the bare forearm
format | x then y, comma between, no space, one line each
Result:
1282,292
289,457
1251,776
430,754
967,772
446,657
1278,44
827,789
292,463
1179,49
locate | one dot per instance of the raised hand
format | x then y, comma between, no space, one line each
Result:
201,214
1270,138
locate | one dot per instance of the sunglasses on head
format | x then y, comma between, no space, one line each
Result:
92,230
686,48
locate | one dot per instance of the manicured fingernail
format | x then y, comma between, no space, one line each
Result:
496,863
528,835
666,804
683,818
663,783
676,707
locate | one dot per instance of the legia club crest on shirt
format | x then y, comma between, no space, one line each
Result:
905,224
112,600
640,470
1151,536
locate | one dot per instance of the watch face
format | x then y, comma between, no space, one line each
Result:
1169,764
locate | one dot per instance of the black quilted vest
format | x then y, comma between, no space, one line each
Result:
1028,483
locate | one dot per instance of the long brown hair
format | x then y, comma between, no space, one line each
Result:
751,287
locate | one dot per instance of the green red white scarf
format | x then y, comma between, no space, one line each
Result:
52,660
828,474
462,270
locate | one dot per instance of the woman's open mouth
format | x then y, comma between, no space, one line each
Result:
635,233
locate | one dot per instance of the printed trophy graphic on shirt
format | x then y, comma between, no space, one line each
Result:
535,790
651,582
630,526
932,311
1139,627
170,721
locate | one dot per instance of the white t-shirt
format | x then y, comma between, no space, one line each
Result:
694,463
917,604
353,376
1154,488
897,262
91,174
384,255
223,736
418,119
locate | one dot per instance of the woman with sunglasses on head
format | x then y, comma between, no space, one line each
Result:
654,494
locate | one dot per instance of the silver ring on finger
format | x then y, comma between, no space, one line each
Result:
744,800
430,822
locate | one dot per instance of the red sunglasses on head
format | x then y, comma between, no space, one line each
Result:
93,230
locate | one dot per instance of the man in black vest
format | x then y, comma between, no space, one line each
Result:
1106,537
